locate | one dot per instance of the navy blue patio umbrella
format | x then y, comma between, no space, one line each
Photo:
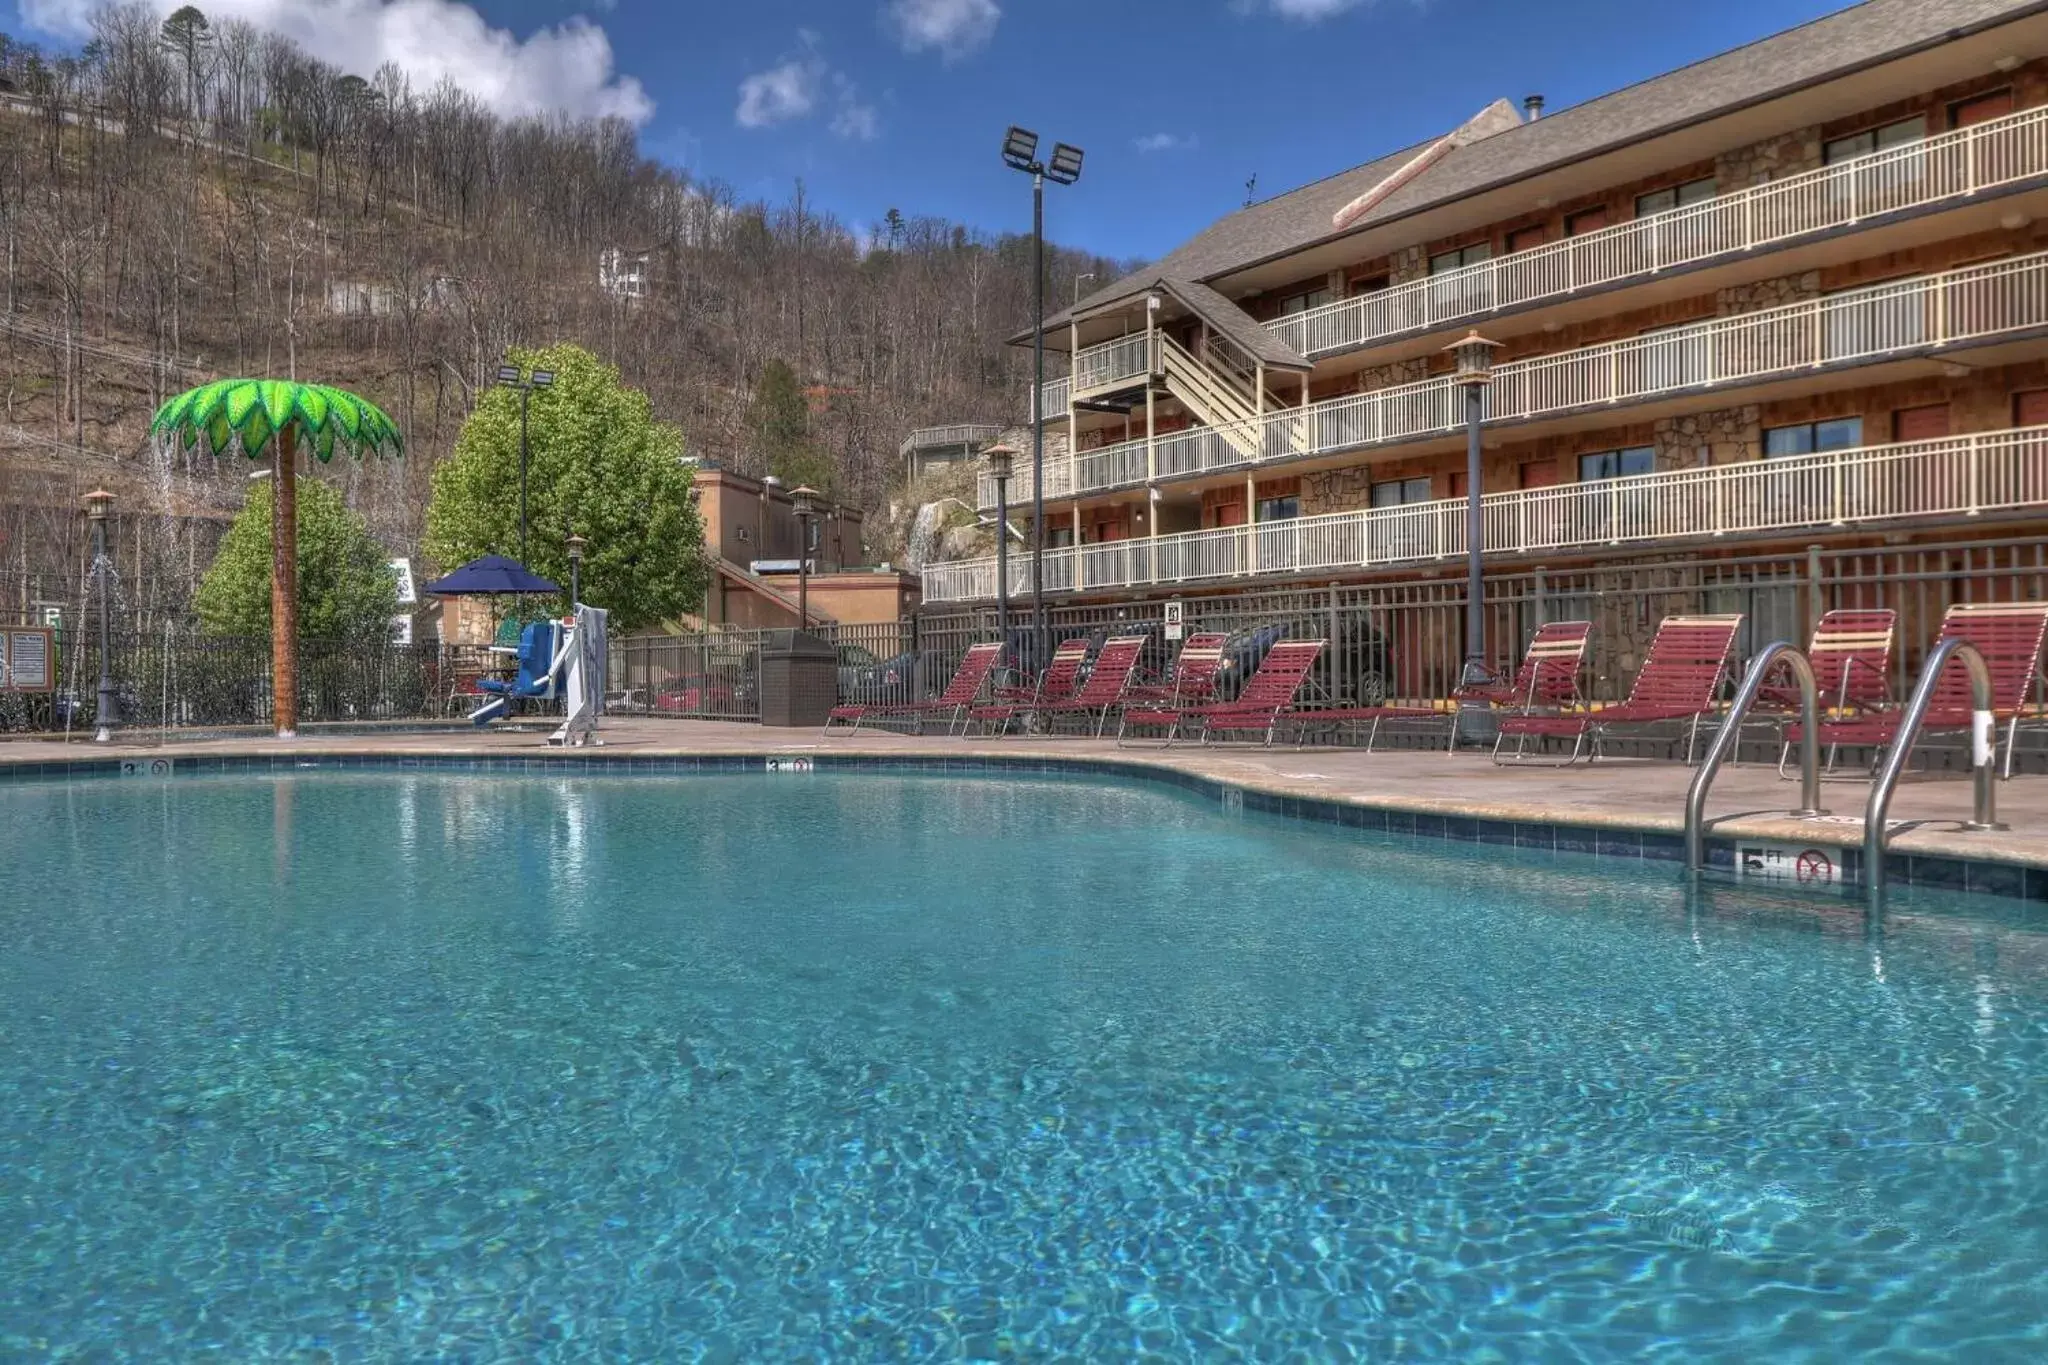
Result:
491,576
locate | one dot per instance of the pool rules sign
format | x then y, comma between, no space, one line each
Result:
1174,619
26,659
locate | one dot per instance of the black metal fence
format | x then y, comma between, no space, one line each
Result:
177,679
1404,641
716,675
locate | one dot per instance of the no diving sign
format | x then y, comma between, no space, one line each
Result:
1801,863
1174,619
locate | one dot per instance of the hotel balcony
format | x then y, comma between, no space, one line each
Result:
1970,165
1958,478
1980,308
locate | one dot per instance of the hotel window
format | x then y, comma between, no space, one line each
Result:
1460,257
1591,220
1980,108
1905,131
1837,433
1371,284
1302,302
1285,508
1057,536
1617,464
1675,197
1394,492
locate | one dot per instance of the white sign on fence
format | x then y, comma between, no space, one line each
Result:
401,629
1174,619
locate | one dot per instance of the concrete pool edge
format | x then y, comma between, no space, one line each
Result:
1927,858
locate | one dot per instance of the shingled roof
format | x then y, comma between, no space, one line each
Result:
1823,49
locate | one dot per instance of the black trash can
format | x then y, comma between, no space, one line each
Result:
799,679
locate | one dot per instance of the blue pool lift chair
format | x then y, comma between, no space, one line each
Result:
541,647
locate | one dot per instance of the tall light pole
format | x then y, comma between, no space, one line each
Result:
1001,459
1084,275
96,504
804,501
576,544
511,376
1020,153
1474,355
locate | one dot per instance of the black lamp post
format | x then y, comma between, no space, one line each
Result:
1020,153
576,544
1474,355
805,503
1001,459
96,504
512,377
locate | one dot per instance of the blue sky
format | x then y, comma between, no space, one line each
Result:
902,103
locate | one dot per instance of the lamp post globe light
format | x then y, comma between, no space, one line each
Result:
1020,153
804,501
576,544
96,504
1001,459
1474,355
512,377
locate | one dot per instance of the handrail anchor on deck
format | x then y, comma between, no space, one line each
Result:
1983,756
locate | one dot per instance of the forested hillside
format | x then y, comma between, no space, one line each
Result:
185,200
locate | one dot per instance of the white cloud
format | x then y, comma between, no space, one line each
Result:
566,67
780,93
801,84
1165,142
953,28
1307,11
855,121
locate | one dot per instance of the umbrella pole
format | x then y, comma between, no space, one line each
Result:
284,583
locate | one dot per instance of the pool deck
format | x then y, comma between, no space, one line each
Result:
1748,801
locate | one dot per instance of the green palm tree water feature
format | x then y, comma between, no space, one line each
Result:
276,417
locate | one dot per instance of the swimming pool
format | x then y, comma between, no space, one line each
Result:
868,1065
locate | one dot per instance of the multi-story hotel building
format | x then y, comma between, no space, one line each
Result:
1796,294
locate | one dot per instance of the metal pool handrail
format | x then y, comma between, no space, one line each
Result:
1983,750
1730,733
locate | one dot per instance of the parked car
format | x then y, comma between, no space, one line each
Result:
866,679
705,693
1355,669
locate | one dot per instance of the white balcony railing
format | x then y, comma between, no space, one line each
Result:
1906,317
1957,476
1114,362
1989,155
1054,395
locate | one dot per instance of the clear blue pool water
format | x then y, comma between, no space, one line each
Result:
401,1067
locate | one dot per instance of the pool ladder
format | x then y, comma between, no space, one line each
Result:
1983,751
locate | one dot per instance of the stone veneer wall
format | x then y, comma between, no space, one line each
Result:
1726,436
1771,159
1338,490
1773,293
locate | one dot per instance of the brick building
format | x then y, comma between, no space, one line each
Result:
1793,295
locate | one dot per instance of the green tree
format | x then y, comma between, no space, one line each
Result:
780,421
598,466
188,34
347,590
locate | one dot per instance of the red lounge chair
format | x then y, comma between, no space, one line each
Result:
1548,677
1193,682
1061,676
1687,664
1104,691
2008,634
1851,655
953,702
1267,694
1057,683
